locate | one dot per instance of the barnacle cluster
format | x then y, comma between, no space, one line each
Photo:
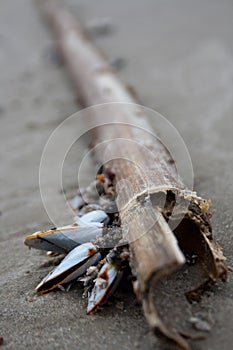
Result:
96,254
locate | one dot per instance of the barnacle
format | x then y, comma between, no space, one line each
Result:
96,252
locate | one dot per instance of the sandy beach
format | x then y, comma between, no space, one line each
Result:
178,55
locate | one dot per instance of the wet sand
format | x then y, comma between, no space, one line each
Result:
178,57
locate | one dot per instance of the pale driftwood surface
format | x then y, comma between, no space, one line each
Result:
155,252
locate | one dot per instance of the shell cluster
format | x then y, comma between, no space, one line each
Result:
96,254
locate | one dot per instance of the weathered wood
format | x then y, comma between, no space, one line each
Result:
144,172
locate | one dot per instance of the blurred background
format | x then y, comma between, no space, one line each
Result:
178,56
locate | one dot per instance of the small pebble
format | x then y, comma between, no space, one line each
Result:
117,63
120,305
51,55
100,26
200,324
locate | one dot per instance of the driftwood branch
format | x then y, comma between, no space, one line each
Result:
147,182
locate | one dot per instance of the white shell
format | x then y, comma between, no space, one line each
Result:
63,239
93,217
104,285
71,267
77,202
